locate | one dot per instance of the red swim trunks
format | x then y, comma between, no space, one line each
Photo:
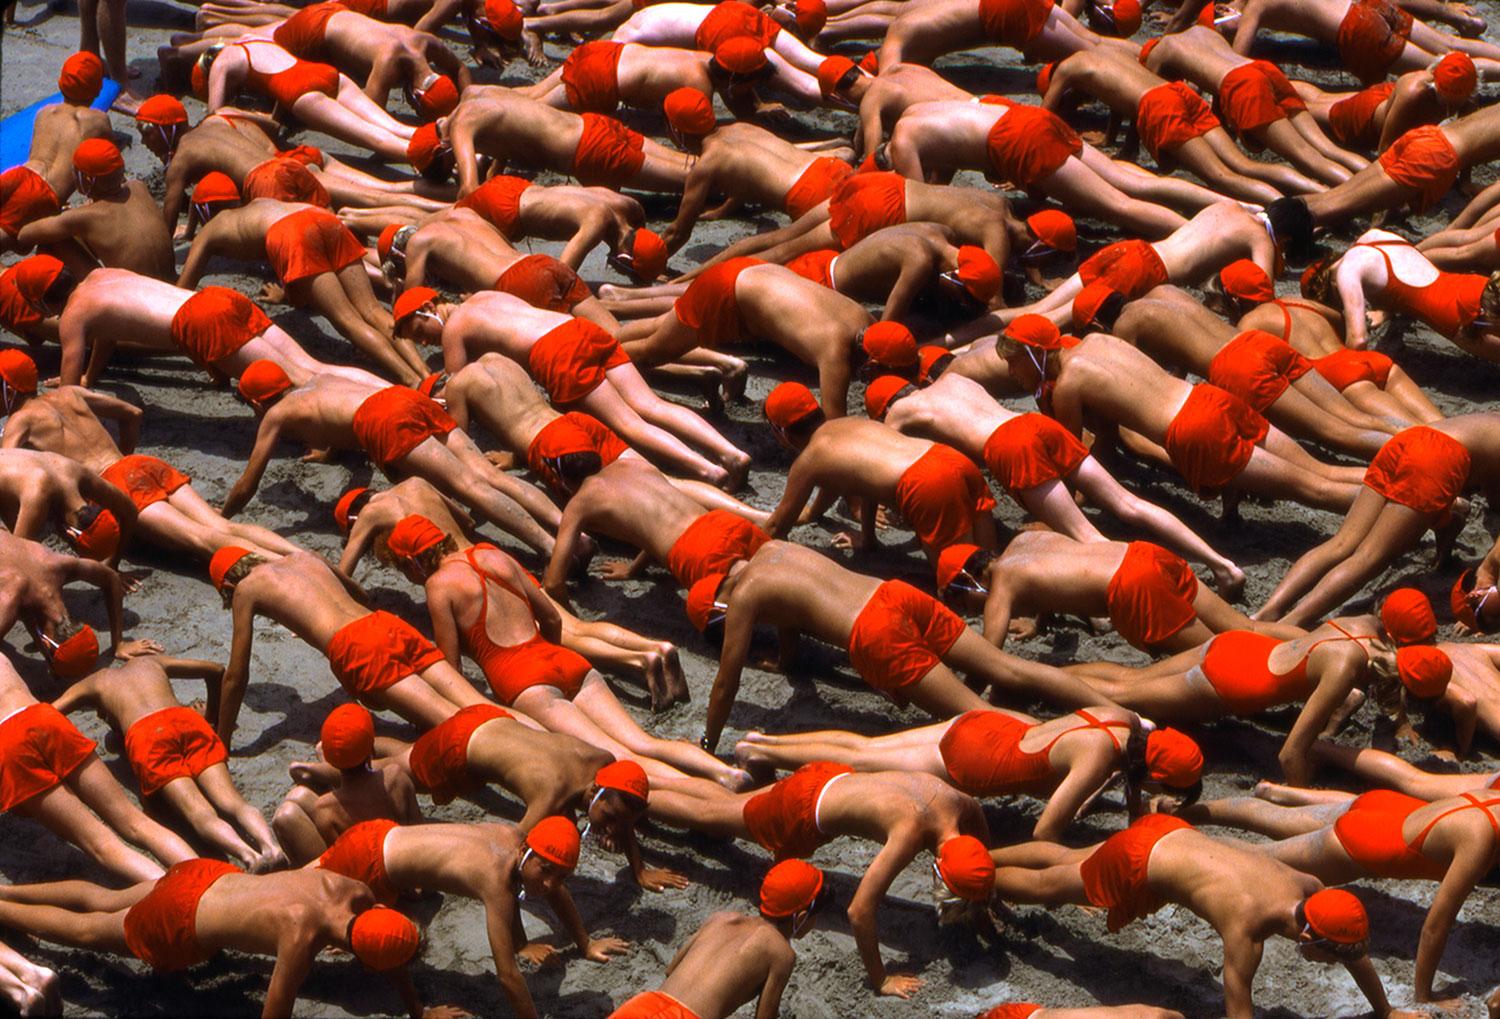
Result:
377,651
1424,160
815,185
1115,877
590,76
25,197
515,668
899,635
711,544
498,201
1421,468
709,305
440,757
169,744
1131,267
1286,96
161,930
1032,449
864,203
653,1005
360,853
302,35
1213,437
1371,37
1257,367
38,749
1370,831
310,243
214,323
816,266
286,180
1150,597
1028,145
784,819
982,752
307,155
1171,115
302,78
1352,121
570,361
544,282
730,20
573,432
940,495
1237,665
1345,367
396,420
145,479
609,154
1248,99
1014,23
1013,1010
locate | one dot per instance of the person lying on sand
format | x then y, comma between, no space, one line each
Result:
70,422
1246,896
577,363
495,863
1390,656
1067,760
483,604
403,431
36,488
906,813
51,774
1043,31
201,907
733,959
175,752
905,644
1373,118
781,31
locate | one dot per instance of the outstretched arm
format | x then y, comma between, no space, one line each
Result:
1242,955
1469,865
237,674
900,849
739,627
255,466
1330,693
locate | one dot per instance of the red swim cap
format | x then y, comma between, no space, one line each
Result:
978,272
348,736
1173,759
386,239
890,344
413,535
1055,229
1424,670
1088,302
161,110
927,358
812,15
789,403
1147,47
423,147
1034,331
870,62
1336,915
505,18
966,868
555,839
81,79
383,939
263,380
1407,616
34,275
97,157
18,370
690,112
222,562
1247,281
700,600
648,254
741,54
438,99
411,301
215,187
879,392
344,505
624,776
75,656
1127,17
1044,78
830,72
100,539
789,888
1454,78
951,562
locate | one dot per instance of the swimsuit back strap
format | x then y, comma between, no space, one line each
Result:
1090,722
1474,803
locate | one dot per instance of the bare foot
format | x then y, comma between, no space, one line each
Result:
752,757
737,780
1229,581
1447,529
737,472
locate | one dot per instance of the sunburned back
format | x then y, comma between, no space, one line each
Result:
461,249
126,231
253,913
776,584
353,40
377,795
1227,883
1475,673
869,268
950,135
133,305
1214,237
506,124
1319,19
751,162
631,501
648,73
1114,380
27,474
459,859
1116,82
1475,137
873,804
1480,434
218,145
55,134
133,689
412,496
1199,54
300,592
1173,332
500,323
955,410
726,964
61,422
862,457
1301,323
1045,571
785,308
498,393
320,412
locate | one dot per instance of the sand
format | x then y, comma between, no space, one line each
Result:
1062,958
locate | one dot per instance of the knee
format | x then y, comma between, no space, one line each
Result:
288,817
